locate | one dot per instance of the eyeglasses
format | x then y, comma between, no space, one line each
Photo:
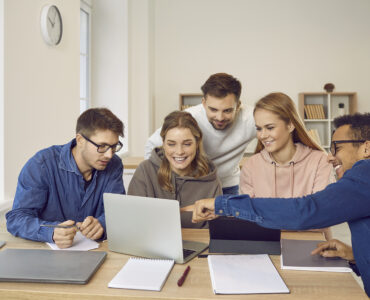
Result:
333,146
105,147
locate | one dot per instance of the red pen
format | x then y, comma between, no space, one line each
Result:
183,277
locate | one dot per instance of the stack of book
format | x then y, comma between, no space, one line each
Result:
314,134
314,111
183,107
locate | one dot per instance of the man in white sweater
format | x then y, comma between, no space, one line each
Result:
227,128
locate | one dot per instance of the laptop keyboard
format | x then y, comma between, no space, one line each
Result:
187,252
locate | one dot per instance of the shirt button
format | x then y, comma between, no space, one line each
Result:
237,214
221,211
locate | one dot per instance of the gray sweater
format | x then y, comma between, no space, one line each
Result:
187,189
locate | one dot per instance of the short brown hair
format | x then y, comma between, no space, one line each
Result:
220,85
98,119
200,164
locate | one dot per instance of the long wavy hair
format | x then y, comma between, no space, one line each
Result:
200,163
281,105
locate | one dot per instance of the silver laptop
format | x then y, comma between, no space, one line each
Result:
147,227
49,266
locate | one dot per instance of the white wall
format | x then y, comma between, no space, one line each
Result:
1,103
141,73
41,84
287,45
109,58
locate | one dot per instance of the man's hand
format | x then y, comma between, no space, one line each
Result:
204,210
91,228
63,237
334,248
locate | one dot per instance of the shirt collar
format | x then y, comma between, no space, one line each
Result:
66,159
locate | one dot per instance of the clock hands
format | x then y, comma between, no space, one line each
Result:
52,23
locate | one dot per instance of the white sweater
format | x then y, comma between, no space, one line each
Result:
224,147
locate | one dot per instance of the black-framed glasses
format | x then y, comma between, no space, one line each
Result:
105,147
333,146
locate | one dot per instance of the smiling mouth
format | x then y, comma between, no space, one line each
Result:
267,143
339,170
179,159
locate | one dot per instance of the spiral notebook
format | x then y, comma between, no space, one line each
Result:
143,274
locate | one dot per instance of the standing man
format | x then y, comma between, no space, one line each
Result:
227,128
347,200
64,185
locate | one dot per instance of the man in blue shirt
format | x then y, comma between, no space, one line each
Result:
64,185
347,200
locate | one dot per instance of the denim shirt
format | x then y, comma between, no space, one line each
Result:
51,190
347,200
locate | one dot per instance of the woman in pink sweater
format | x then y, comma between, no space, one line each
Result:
287,161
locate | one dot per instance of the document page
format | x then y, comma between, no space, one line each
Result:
244,274
80,243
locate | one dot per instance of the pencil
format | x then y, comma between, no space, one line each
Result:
58,226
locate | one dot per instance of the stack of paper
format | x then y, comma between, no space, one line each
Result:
244,274
296,255
142,274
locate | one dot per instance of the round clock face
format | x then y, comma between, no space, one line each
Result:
51,25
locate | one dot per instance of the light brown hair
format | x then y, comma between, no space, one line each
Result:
200,163
281,105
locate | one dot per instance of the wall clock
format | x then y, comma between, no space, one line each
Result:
51,25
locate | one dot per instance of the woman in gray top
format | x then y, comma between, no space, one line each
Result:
179,169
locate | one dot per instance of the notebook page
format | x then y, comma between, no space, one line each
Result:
244,274
80,243
142,274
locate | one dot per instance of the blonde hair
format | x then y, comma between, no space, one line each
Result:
200,163
281,105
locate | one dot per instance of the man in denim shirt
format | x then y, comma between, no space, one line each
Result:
347,200
64,185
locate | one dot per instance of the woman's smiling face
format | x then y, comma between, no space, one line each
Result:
180,148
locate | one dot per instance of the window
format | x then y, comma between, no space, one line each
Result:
85,20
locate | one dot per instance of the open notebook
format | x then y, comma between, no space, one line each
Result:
143,274
244,274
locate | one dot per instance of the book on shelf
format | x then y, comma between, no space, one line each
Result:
183,107
314,111
314,134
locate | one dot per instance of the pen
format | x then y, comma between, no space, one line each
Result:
58,226
183,277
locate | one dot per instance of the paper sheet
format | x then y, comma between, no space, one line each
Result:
80,243
244,274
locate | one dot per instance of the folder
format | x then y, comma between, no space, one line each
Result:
296,255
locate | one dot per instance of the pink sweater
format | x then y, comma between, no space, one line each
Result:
307,173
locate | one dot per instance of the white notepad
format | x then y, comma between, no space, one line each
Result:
142,274
244,274
80,243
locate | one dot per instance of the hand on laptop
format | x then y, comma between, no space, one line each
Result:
334,248
63,237
204,210
91,228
